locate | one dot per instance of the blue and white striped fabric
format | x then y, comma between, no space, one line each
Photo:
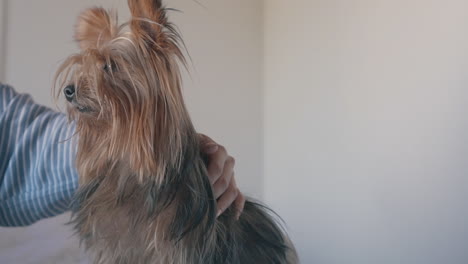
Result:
37,173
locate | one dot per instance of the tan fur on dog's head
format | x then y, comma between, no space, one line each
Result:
127,102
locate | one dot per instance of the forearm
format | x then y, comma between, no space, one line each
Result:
37,173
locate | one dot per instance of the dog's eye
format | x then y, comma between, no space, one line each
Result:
110,67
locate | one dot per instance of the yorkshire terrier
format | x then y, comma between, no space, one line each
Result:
144,194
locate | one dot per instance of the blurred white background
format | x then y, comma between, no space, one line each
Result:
348,117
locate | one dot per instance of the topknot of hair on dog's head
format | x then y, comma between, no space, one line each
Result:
149,26
95,26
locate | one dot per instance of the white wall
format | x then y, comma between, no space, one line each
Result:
223,93
367,130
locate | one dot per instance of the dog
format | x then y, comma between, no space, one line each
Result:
144,194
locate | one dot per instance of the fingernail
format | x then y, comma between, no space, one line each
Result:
211,148
219,213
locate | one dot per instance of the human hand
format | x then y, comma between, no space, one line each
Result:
221,175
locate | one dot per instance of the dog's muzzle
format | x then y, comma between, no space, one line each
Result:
69,93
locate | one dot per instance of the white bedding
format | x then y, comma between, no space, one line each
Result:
47,242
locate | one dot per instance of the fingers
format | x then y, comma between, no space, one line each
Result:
227,198
208,146
221,176
223,182
239,204
216,166
217,156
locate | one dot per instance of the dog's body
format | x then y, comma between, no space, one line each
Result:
144,194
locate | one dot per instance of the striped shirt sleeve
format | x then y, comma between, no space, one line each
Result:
37,173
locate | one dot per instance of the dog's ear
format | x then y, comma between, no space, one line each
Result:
149,22
95,26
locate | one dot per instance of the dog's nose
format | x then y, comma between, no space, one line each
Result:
69,92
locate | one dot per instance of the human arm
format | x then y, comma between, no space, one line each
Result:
37,173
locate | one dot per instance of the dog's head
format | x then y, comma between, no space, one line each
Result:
123,88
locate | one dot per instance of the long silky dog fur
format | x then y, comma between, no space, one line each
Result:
144,194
